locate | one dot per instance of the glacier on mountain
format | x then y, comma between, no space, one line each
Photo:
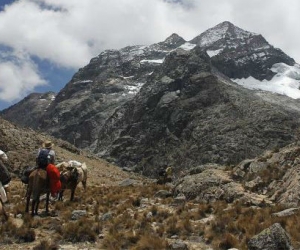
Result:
285,82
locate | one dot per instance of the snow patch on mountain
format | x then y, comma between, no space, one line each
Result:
153,61
285,82
133,89
187,46
83,81
129,53
212,53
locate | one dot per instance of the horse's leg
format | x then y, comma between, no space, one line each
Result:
28,194
36,211
47,202
37,203
84,184
3,210
72,193
33,205
61,194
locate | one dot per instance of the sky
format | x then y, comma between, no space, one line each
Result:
44,42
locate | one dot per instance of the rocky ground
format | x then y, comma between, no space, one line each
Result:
131,195
209,207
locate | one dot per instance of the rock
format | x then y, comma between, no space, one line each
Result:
254,183
256,166
76,214
127,169
179,200
209,185
127,182
272,238
286,212
106,216
196,239
163,194
178,245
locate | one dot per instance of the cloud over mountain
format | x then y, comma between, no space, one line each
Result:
67,34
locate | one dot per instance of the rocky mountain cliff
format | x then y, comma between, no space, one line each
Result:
28,112
173,102
186,115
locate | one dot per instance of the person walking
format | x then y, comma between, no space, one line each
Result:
5,177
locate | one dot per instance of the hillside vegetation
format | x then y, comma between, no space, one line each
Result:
214,206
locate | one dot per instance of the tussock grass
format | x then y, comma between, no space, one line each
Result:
233,227
151,241
46,245
79,231
139,220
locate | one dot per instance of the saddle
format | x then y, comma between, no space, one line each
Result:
25,174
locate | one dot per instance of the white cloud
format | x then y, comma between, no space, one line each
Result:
68,33
17,78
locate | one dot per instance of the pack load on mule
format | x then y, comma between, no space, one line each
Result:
72,172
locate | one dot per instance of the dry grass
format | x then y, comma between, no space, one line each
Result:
79,231
138,220
46,245
233,227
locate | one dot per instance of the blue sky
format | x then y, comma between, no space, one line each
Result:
44,42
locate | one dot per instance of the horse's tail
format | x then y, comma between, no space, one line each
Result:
84,169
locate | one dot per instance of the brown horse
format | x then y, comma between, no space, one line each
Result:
38,184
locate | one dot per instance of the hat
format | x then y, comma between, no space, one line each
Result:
47,144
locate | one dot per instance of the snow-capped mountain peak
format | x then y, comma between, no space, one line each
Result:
223,31
174,39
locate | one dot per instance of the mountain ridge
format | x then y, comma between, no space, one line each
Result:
132,81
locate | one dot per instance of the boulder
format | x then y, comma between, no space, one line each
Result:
272,238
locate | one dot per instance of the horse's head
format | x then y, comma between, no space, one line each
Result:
62,166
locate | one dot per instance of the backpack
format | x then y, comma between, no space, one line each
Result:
43,158
5,177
